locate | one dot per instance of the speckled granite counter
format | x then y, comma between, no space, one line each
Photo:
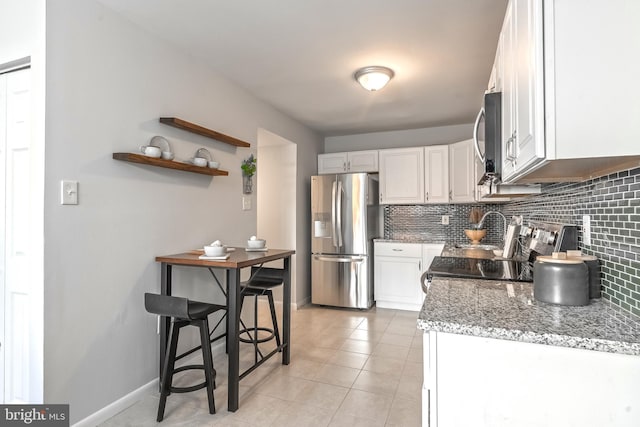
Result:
408,241
505,310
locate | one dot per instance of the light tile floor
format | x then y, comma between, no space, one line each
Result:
348,368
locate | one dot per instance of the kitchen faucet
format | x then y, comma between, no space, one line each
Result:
504,222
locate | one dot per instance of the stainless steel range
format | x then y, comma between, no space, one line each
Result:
538,238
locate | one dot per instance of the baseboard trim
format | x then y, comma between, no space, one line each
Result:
118,406
136,395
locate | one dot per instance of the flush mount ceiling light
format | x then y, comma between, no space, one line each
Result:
373,78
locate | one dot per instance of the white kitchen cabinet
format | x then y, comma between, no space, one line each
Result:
397,271
429,252
414,175
566,115
353,161
509,383
436,174
402,176
462,167
522,101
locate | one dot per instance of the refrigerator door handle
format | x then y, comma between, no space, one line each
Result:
354,259
339,213
333,214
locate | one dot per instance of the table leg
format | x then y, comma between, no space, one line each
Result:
286,312
233,346
165,289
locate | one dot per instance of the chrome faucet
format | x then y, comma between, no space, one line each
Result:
504,222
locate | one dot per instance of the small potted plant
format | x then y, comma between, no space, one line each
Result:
248,167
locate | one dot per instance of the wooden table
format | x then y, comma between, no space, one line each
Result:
238,259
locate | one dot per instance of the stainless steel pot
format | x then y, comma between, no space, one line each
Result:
561,281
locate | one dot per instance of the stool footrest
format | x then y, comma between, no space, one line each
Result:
193,387
249,331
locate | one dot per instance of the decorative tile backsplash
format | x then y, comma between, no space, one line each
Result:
612,202
424,222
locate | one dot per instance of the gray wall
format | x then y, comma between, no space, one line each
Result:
107,83
399,138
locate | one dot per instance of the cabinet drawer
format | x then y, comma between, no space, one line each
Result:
398,249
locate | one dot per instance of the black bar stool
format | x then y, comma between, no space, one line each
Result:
184,313
260,283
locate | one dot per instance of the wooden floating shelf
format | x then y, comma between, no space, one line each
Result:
197,129
169,164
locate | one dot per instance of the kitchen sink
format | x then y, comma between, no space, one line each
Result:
478,246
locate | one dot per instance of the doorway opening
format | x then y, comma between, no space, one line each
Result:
276,195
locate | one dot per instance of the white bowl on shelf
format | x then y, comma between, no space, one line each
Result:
167,155
200,161
213,164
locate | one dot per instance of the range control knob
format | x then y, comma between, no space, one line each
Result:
551,238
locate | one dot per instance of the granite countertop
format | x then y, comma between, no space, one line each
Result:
507,310
417,240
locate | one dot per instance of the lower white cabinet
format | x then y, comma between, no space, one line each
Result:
473,381
397,271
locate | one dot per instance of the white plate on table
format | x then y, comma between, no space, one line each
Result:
256,249
217,258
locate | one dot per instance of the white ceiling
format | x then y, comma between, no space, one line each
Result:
300,55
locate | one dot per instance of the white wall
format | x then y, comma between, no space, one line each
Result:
107,83
399,138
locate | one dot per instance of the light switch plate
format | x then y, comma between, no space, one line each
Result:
246,203
68,192
445,219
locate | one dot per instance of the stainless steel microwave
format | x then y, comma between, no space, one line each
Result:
487,135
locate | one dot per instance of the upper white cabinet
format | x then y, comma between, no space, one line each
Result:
414,175
462,173
522,86
436,174
354,161
402,176
570,89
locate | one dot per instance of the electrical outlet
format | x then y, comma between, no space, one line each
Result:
586,230
445,219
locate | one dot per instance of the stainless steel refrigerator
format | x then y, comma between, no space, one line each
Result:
344,222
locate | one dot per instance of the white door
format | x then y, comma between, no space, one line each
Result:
15,287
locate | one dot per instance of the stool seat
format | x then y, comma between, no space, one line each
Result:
200,310
260,283
184,312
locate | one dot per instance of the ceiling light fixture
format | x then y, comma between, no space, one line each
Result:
373,78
